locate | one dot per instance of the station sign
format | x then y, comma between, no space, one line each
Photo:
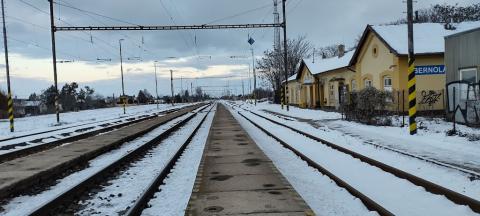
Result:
430,70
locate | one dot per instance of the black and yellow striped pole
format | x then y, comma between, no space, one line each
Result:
412,94
7,66
282,96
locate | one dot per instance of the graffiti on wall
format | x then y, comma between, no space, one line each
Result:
464,101
430,98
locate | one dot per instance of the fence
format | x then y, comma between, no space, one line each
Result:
464,102
429,102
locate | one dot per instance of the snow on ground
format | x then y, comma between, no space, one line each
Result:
399,196
173,197
431,141
32,124
450,178
120,193
22,205
318,191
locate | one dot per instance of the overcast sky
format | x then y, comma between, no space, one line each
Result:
200,53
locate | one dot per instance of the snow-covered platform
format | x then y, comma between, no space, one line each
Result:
30,171
235,177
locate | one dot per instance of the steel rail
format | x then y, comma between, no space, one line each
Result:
48,145
474,174
72,192
25,184
73,126
153,187
369,203
431,187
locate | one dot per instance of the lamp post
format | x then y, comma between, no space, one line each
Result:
121,71
171,87
156,83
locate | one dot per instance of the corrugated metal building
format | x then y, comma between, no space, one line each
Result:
462,56
462,59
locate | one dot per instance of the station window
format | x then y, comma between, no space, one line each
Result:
387,83
469,75
368,83
354,85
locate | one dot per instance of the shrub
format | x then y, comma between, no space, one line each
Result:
368,106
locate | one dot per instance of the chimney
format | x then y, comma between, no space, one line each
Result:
341,50
449,25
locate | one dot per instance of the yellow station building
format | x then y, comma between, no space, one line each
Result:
380,60
321,83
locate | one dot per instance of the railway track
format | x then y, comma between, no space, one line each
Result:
60,202
22,148
473,173
432,188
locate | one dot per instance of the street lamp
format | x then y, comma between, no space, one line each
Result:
156,82
121,71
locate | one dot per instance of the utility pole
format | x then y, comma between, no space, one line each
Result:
7,67
182,93
412,95
121,71
254,79
171,86
156,83
191,91
285,53
243,91
54,59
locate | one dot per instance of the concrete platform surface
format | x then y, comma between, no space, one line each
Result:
236,178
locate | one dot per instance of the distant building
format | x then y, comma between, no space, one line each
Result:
24,107
462,59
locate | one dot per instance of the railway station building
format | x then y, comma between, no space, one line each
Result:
321,83
381,61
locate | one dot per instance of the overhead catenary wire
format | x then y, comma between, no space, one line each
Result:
61,20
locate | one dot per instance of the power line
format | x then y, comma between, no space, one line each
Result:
238,14
94,13
173,21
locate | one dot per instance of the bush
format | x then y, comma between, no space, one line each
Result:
368,106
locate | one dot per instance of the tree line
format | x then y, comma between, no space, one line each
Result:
445,13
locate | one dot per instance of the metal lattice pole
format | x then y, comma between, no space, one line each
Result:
285,54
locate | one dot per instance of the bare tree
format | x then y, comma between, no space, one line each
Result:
272,63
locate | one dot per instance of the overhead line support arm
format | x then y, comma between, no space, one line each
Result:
164,28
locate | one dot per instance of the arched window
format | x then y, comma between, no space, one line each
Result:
368,83
354,85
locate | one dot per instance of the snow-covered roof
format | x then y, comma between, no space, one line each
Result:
28,103
428,37
463,31
292,78
329,64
